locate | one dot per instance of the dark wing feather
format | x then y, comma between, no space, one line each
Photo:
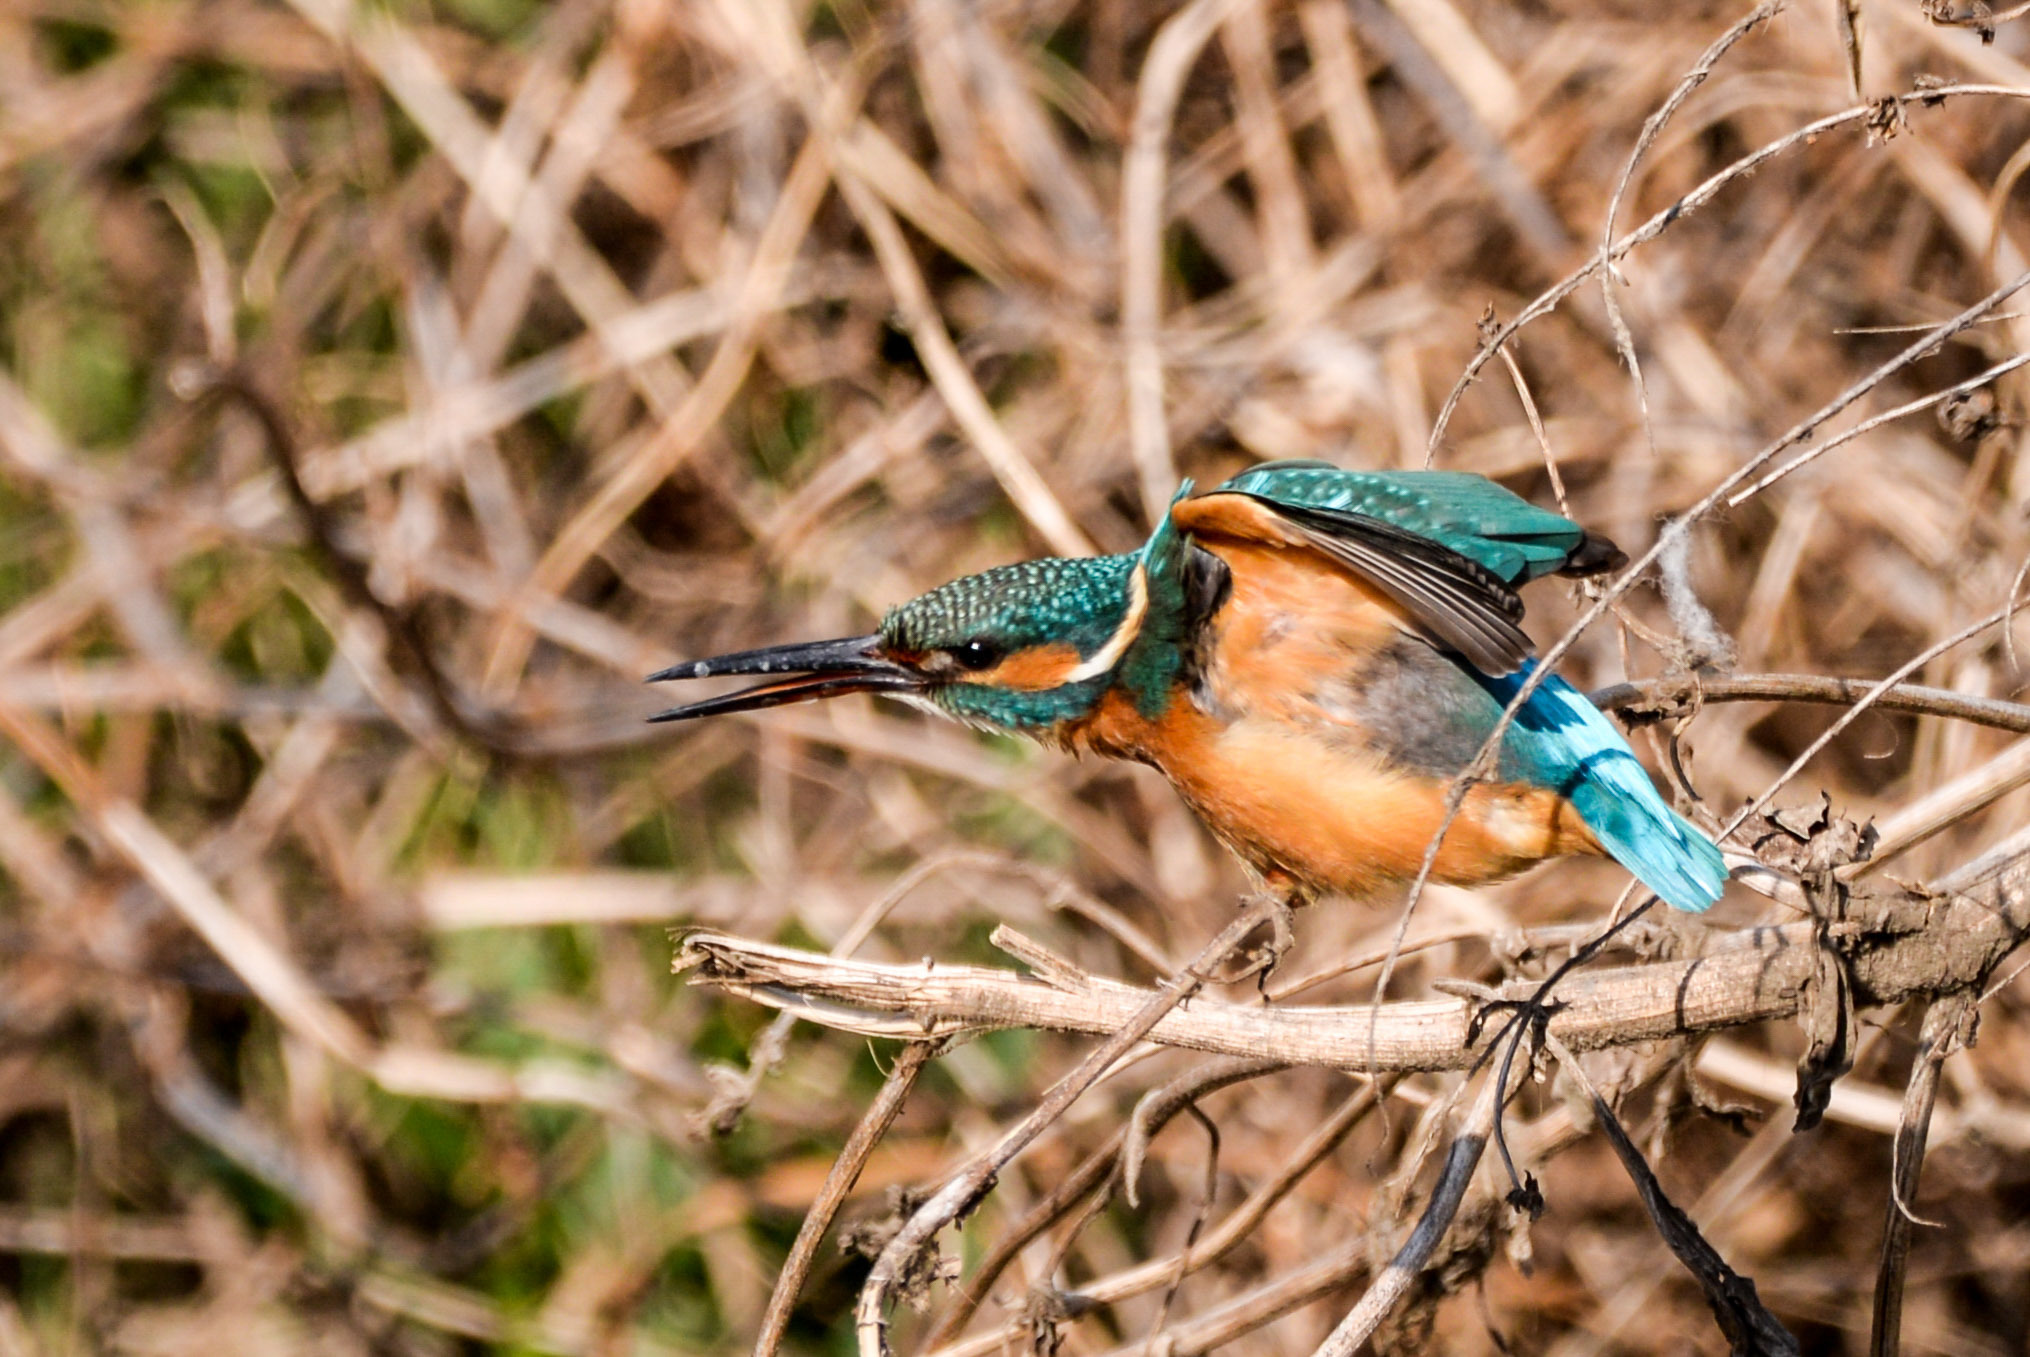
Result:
1461,604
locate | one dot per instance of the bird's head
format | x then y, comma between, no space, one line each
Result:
1023,647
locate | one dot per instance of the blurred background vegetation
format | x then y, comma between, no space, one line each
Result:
336,863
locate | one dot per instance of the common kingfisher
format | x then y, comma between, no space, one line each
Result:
1311,655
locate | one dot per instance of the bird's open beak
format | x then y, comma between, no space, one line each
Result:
813,670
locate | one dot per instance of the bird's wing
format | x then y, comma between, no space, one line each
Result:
1482,521
1452,599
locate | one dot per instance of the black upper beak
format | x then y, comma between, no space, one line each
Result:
812,670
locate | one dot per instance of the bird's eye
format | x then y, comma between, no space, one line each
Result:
977,655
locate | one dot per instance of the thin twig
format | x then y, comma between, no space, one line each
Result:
1234,1229
1171,56
1698,197
1749,1327
1280,1295
410,647
1873,422
1390,1285
1866,701
1181,1265
1909,698
1529,405
1945,1027
839,1181
1652,127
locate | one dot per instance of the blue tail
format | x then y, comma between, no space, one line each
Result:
1561,740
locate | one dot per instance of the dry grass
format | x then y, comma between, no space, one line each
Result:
336,863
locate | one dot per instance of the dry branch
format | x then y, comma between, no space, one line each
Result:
1902,943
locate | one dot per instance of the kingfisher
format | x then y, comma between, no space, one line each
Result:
1312,656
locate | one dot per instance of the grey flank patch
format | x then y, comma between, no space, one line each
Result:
1421,711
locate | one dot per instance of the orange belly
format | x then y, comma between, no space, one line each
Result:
1324,815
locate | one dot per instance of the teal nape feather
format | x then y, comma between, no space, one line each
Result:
1489,525
1148,672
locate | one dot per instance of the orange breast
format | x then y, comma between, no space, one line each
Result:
1328,817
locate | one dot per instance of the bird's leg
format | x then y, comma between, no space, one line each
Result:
1281,899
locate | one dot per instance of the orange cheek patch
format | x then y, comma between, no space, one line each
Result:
1032,670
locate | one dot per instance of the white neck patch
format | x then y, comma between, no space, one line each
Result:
1109,655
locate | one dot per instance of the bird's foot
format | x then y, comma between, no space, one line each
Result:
1260,961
